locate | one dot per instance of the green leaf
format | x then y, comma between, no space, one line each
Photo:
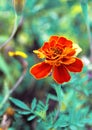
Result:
33,105
59,92
87,121
19,103
31,118
72,127
24,112
41,106
53,97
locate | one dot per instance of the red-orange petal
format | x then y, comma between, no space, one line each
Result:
64,42
76,66
68,61
52,43
68,51
69,43
53,38
45,46
72,52
60,74
40,70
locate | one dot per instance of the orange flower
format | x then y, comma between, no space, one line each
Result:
59,59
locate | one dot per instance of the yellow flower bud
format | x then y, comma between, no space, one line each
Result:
17,53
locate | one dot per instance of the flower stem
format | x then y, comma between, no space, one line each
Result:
18,82
90,39
16,24
14,87
59,96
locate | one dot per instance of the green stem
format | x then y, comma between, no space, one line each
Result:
4,100
84,5
13,88
16,24
59,93
90,39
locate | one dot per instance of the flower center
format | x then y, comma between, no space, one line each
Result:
53,56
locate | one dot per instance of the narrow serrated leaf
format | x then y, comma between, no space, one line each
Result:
33,105
24,112
31,118
53,97
19,103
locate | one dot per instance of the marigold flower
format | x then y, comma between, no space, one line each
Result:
59,59
17,53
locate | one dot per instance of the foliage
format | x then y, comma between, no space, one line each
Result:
71,112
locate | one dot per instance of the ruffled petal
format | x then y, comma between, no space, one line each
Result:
76,66
72,52
40,70
78,48
45,46
53,38
39,53
62,41
60,74
68,60
68,51
69,43
52,43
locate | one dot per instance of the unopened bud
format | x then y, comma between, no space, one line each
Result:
10,111
19,5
